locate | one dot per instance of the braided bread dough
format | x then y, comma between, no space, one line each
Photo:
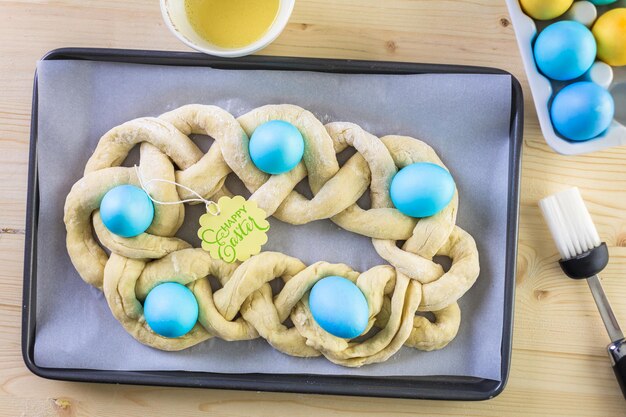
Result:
244,307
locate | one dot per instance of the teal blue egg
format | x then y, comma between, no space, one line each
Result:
582,111
602,2
276,147
171,309
126,210
565,50
422,189
339,307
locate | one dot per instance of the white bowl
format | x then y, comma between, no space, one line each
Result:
542,89
176,19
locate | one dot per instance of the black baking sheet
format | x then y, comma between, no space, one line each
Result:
334,66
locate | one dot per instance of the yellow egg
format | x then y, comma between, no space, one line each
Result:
545,9
610,33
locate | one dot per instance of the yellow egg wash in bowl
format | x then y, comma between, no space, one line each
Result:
231,23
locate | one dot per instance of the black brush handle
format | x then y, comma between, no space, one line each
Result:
587,263
617,352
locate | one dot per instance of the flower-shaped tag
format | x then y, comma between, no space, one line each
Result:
237,232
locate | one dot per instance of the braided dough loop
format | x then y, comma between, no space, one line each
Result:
245,307
326,179
378,348
432,232
435,235
85,197
127,282
191,267
120,278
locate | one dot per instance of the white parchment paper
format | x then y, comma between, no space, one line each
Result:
464,117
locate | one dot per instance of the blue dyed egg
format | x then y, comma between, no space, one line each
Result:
276,147
126,210
421,189
582,111
339,307
565,50
171,309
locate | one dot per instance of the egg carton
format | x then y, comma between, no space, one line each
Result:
543,89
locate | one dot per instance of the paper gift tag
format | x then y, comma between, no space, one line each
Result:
237,232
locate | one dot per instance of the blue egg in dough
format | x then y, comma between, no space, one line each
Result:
339,307
171,309
422,189
276,147
582,111
565,50
126,210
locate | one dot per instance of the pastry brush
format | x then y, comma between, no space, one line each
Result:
584,256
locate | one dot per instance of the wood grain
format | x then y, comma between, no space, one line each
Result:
559,365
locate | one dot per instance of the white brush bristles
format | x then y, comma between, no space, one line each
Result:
569,221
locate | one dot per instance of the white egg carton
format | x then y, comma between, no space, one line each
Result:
542,89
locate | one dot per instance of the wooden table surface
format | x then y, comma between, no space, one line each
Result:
559,365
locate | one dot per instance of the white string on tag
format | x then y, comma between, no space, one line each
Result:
208,203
